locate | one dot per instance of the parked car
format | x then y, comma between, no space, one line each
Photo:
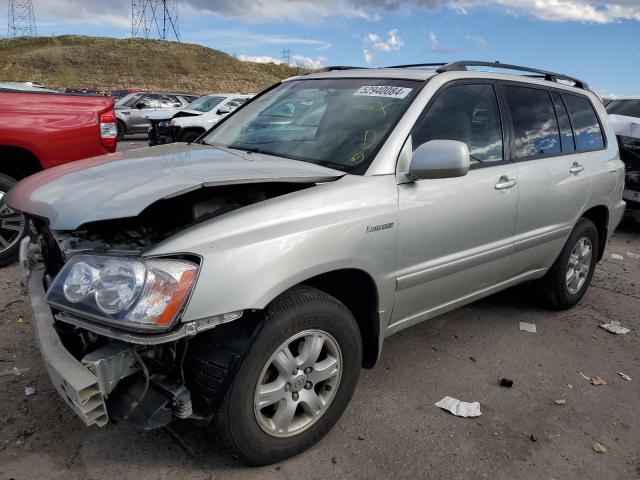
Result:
199,116
132,109
243,280
79,91
120,93
624,114
40,129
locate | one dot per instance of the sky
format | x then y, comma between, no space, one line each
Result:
595,40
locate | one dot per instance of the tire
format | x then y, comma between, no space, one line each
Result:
10,238
190,136
555,288
121,129
242,428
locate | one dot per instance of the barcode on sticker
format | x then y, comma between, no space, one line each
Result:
383,91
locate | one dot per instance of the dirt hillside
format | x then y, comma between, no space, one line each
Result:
110,63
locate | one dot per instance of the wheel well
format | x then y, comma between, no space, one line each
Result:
18,162
198,130
357,290
600,217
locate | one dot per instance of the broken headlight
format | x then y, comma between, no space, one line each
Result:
143,293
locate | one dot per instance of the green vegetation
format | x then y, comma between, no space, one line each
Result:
110,63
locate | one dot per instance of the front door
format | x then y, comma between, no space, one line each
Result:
456,234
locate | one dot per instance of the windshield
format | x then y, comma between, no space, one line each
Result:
130,99
629,108
339,123
205,104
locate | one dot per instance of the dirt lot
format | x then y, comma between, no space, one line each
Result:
391,429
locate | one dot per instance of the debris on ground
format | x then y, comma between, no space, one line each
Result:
528,327
625,376
584,376
505,382
533,438
615,327
14,371
458,408
473,359
615,256
29,391
598,380
561,401
334,460
20,320
599,448
633,255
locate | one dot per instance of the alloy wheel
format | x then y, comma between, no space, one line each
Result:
12,225
579,265
298,383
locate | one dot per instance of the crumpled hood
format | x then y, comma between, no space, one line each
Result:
120,185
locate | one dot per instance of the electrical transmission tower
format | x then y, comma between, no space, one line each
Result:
151,16
286,56
21,20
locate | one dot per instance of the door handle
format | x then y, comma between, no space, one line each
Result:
576,168
505,183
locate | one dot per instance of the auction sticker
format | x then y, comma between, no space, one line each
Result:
383,91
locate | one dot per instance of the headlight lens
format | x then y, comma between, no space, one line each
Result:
130,292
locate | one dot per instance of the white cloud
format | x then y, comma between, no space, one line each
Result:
240,38
478,41
434,44
368,56
391,44
296,60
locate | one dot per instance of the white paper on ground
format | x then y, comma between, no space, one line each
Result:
458,408
615,256
633,255
625,376
615,327
528,327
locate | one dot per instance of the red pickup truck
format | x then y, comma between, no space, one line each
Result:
40,129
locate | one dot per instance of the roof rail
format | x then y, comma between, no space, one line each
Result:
417,65
550,76
332,68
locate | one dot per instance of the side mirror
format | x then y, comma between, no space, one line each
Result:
223,110
439,159
140,105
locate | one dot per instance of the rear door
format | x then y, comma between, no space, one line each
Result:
456,234
553,174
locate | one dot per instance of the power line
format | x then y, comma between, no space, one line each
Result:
21,20
149,17
286,56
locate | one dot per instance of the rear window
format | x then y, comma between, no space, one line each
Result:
586,127
535,126
629,108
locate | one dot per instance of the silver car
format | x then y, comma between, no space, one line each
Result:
244,280
132,109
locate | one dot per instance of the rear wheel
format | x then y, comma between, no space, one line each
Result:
121,129
12,224
568,279
296,380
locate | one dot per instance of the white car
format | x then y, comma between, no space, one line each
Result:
201,115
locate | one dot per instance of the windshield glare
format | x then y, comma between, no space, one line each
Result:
205,104
339,123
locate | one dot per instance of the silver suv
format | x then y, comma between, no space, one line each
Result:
243,281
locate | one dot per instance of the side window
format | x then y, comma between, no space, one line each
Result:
566,132
585,123
170,101
535,127
467,113
151,101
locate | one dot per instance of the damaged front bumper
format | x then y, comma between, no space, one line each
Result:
74,382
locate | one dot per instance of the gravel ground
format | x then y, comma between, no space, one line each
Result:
391,429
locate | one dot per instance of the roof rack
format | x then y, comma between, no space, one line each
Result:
550,76
332,68
418,65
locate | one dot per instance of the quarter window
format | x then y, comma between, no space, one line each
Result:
585,123
535,127
466,113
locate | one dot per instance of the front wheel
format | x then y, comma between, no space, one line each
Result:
568,279
296,380
12,225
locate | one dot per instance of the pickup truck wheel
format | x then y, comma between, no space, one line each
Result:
296,380
12,225
121,129
568,279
